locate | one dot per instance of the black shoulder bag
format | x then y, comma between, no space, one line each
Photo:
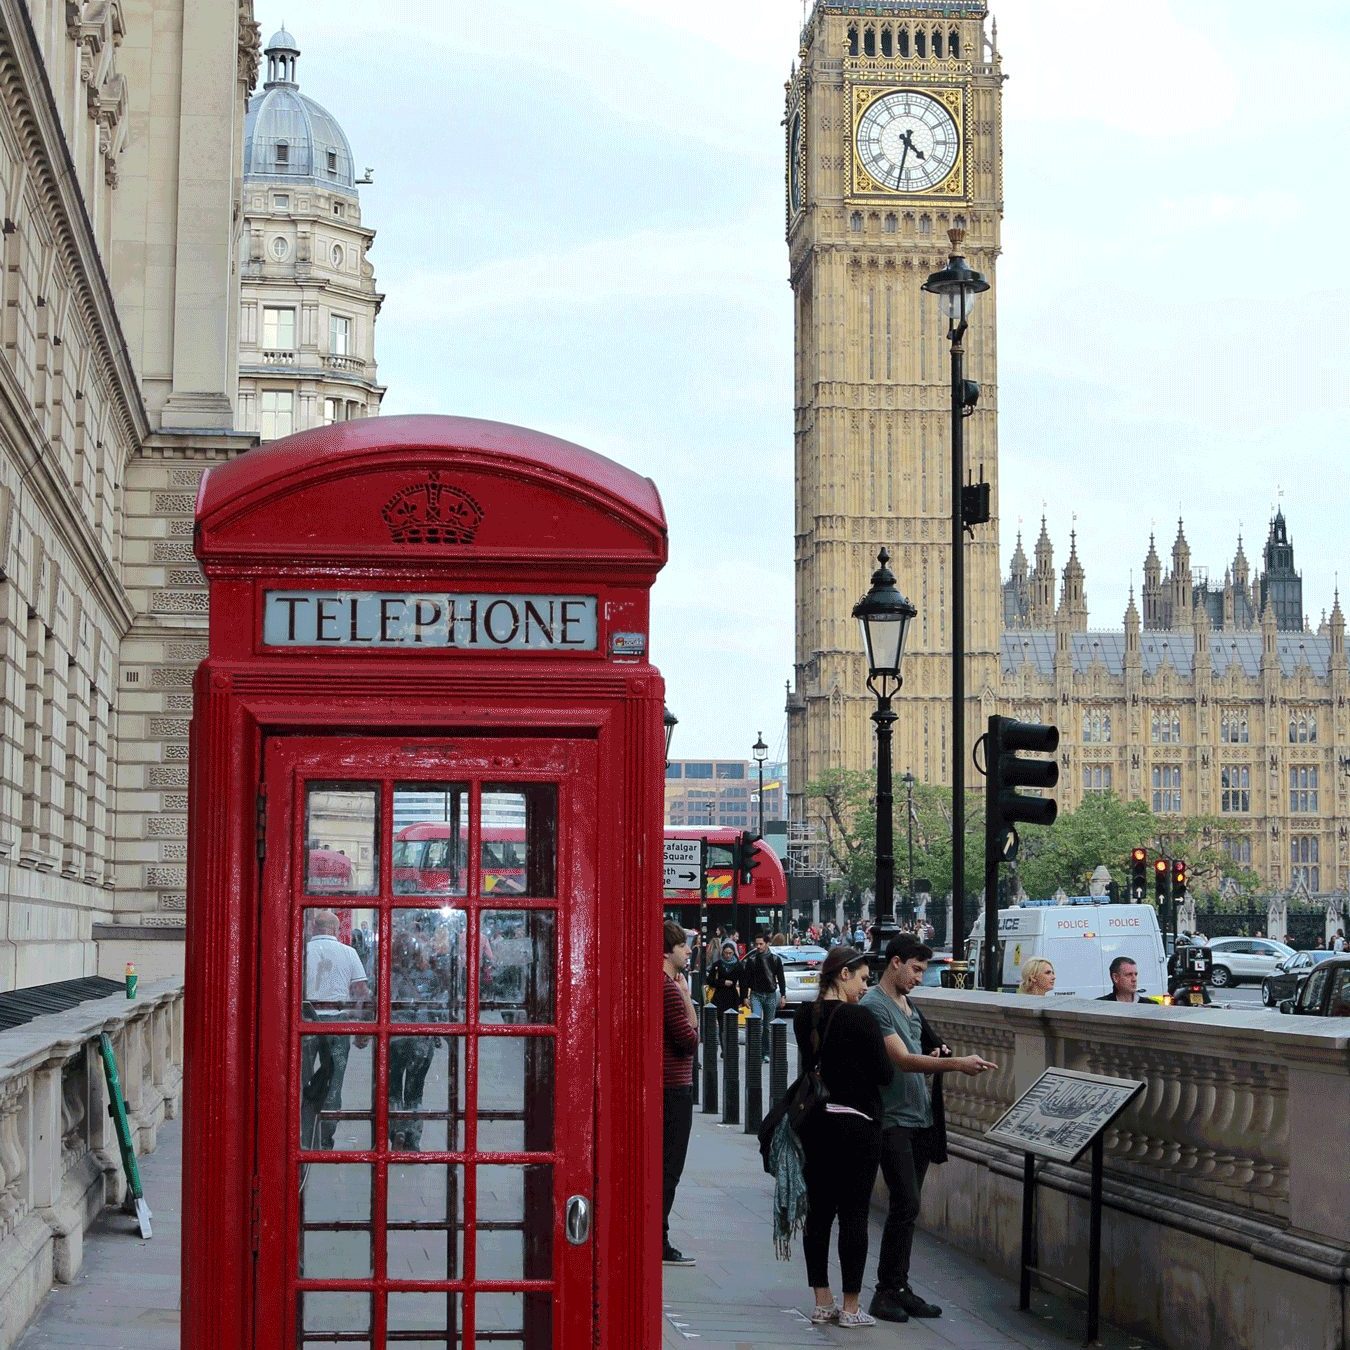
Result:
806,1092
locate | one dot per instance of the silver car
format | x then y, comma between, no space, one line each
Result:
1242,958
801,973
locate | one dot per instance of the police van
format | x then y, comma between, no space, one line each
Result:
1080,938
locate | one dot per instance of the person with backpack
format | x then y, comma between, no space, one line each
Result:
841,1136
766,983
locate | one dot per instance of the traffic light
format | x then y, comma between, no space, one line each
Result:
746,858
1162,869
1178,878
1138,873
1005,772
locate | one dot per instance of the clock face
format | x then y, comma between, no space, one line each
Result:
907,141
795,162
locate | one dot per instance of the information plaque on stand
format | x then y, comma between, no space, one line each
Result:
1062,1114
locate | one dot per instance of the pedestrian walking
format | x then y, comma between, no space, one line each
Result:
681,1040
726,980
767,985
1338,942
912,1136
841,1138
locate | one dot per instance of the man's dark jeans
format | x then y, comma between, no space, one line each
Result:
904,1163
677,1121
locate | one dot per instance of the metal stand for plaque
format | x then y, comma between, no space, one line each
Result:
1058,1118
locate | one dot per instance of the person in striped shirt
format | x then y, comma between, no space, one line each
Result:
680,1040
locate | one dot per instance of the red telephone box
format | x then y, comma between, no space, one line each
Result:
423,1025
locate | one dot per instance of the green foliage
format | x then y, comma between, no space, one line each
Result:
1064,855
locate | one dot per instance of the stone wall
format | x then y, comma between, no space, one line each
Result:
1227,1199
59,1159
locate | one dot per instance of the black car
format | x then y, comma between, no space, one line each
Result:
1325,992
1284,981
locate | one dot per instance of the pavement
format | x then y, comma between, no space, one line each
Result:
738,1296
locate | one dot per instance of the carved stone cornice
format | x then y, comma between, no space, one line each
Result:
250,48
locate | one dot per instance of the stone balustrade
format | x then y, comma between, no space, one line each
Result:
59,1159
1227,1195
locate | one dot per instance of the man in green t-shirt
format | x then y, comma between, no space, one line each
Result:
908,1112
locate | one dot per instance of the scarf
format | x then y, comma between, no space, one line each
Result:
786,1161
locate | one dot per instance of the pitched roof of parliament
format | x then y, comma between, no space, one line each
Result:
1174,603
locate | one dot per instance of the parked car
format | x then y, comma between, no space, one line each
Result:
1325,993
801,973
933,975
1284,981
1243,958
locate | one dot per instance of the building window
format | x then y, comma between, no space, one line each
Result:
283,155
1096,778
339,335
332,164
1096,727
1303,861
1239,849
1235,782
1165,726
1303,788
698,769
731,770
282,201
278,329
855,222
674,770
1302,728
280,248
339,209
276,413
334,410
337,255
1233,729
1167,789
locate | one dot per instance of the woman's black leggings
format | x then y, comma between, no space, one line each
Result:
842,1156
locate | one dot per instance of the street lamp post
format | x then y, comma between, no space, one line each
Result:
956,285
908,780
761,753
670,722
885,616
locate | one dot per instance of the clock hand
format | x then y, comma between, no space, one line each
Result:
900,172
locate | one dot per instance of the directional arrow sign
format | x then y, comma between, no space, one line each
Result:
683,865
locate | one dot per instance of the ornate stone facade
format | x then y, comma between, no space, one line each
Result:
121,133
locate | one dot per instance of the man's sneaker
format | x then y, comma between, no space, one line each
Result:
672,1257
885,1307
822,1313
856,1319
915,1306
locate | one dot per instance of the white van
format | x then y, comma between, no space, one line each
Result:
1080,941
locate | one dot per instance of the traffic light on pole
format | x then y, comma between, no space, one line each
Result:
1162,869
1178,878
746,858
1006,771
1138,873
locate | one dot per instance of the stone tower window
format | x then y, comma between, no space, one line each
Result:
283,154
937,44
892,223
921,43
902,41
886,41
853,39
954,44
869,41
855,222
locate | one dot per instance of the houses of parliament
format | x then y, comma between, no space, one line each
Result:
1211,700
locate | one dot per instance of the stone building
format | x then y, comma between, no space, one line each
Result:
309,303
1215,700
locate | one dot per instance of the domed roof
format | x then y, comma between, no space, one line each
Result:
289,138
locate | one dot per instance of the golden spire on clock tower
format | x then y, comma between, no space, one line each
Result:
893,132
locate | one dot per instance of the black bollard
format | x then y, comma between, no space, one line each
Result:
778,1071
754,1075
709,1094
731,1067
700,1053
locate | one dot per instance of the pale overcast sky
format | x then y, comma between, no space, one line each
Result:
580,216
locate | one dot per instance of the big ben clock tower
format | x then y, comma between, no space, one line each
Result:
893,138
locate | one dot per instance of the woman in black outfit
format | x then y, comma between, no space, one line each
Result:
842,1137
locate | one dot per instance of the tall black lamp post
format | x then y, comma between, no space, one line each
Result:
761,753
670,722
907,779
956,285
885,616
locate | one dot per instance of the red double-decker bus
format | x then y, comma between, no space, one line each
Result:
429,859
732,903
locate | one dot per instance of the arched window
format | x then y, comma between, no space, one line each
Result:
902,41
886,41
891,223
937,43
925,224
853,39
954,44
869,41
855,222
920,43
